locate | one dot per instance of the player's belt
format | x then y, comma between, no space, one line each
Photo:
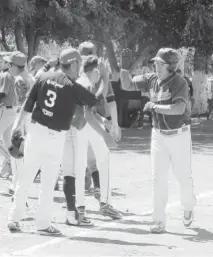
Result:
7,107
174,131
55,129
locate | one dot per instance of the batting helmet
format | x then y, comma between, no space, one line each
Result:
16,149
169,56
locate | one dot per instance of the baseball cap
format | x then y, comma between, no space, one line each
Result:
36,59
87,48
16,58
167,55
69,55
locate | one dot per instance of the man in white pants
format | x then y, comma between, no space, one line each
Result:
52,102
22,84
171,135
107,109
8,100
90,130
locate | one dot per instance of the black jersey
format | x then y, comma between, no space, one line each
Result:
53,100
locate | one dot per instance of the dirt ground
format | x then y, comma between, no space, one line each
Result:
132,194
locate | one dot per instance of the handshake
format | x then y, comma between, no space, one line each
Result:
149,106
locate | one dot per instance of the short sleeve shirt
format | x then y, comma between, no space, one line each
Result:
53,100
166,92
7,86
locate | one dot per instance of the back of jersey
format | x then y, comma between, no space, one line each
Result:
56,101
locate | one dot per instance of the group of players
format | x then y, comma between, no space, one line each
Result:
66,113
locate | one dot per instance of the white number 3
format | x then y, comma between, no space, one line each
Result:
51,98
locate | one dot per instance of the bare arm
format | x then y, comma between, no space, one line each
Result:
177,108
126,80
94,123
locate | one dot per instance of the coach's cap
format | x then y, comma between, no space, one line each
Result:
167,55
16,58
69,55
87,48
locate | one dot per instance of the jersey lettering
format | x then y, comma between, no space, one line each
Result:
50,102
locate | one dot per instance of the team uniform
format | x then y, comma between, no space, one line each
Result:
23,84
74,161
7,110
52,102
103,110
170,142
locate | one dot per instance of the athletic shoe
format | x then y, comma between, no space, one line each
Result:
97,194
50,231
14,227
107,210
157,228
188,218
11,192
73,219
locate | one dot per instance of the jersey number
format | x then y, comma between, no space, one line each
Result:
50,102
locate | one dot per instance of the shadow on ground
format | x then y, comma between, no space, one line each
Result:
138,140
111,241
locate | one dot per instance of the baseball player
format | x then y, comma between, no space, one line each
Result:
52,102
87,129
8,97
23,83
171,135
107,109
36,63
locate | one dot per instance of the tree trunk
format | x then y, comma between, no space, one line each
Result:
37,43
199,81
30,36
111,56
19,38
4,41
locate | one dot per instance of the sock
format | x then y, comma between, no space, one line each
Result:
96,179
69,192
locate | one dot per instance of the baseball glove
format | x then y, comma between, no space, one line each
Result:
126,59
16,148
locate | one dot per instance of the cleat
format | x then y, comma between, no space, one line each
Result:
50,231
14,227
188,218
73,219
107,210
11,192
157,228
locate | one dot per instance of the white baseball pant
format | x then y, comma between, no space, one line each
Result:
75,161
44,148
175,152
7,118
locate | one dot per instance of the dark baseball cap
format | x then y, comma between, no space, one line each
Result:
167,55
87,48
69,55
16,58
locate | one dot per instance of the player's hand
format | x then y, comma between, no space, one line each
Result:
103,68
126,59
116,133
149,107
110,142
107,125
